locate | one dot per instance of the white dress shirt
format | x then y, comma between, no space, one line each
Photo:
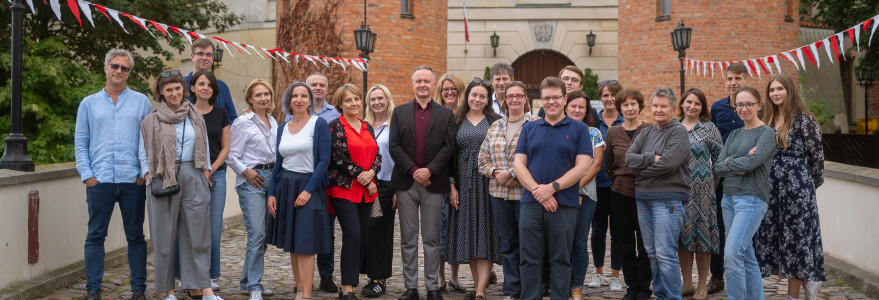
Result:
252,143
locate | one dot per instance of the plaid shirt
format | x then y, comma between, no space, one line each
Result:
496,154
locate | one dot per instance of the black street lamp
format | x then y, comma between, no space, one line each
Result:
680,39
364,40
218,58
495,40
865,77
590,40
15,156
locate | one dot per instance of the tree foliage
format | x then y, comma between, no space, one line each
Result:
64,62
842,15
590,84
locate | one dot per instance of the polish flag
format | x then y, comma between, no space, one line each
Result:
466,27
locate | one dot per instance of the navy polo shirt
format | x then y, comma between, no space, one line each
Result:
725,117
552,151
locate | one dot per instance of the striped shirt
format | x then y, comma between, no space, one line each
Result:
497,154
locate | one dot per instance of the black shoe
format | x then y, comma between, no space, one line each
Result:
94,295
349,296
492,279
629,296
327,285
410,294
470,296
455,286
480,297
138,295
434,295
715,285
374,288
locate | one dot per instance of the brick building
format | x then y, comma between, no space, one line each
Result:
722,31
410,33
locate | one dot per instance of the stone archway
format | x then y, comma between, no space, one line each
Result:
532,67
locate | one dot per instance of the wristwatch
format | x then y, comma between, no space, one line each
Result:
555,186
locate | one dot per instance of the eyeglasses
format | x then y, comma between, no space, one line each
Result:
552,98
514,96
115,67
167,74
748,105
571,79
204,54
606,82
450,89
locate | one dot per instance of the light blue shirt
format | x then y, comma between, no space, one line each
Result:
185,148
106,136
327,112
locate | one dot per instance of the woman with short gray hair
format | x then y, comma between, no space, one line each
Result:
660,156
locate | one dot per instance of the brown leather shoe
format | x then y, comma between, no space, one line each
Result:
715,285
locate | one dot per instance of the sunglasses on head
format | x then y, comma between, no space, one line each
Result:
167,74
606,82
481,81
115,67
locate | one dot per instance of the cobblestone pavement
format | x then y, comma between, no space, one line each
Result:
279,278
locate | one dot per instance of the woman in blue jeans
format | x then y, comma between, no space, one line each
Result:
252,157
745,162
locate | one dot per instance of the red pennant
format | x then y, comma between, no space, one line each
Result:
103,10
808,53
194,35
753,67
74,8
851,37
835,43
227,42
867,23
762,66
158,27
133,20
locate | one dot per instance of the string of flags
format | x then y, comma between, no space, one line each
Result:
82,8
834,46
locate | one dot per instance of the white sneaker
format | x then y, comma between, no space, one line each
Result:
170,297
596,281
615,285
811,289
213,297
788,297
256,295
214,285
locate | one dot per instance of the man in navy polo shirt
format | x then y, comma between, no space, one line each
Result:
552,155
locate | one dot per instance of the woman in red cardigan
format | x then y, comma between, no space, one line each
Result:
353,164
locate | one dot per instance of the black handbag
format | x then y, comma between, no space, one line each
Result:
158,183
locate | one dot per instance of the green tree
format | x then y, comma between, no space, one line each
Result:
64,62
842,15
590,84
487,74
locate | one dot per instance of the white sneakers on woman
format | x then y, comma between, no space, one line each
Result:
811,289
615,284
597,281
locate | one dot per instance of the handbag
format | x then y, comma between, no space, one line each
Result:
376,211
157,186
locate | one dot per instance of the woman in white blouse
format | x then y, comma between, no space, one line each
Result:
252,157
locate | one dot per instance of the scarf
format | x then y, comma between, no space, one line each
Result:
160,140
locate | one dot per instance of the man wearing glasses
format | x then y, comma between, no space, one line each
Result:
106,148
552,155
202,58
501,73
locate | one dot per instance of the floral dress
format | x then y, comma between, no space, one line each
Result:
699,232
788,242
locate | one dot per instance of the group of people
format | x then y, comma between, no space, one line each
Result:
468,169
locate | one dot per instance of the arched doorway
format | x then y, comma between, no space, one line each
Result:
532,67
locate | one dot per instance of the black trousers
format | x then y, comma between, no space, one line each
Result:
354,220
636,265
717,259
377,262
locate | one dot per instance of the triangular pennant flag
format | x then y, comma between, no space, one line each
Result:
86,11
284,55
160,28
115,15
182,32
872,31
838,45
704,68
269,54
827,43
765,64
139,21
103,11
851,38
309,58
753,64
857,43
254,50
56,8
812,54
790,58
750,72
799,53
774,59
338,61
762,65
866,24
712,68
227,49
74,8
30,3
723,67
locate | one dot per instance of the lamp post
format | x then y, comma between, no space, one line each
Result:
495,40
590,40
364,40
865,77
15,156
680,39
218,58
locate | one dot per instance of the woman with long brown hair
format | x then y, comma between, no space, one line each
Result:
788,242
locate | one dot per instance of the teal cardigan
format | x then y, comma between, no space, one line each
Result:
321,150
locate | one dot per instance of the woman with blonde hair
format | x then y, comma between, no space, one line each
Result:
252,158
449,91
788,242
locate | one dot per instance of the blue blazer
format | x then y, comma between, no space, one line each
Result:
321,150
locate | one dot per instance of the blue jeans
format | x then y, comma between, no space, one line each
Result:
742,215
506,220
580,250
101,200
660,222
218,203
600,222
253,207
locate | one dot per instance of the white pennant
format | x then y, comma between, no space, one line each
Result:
56,8
791,59
841,38
872,31
254,50
115,15
31,4
242,47
800,56
857,38
324,61
757,67
768,66
284,55
269,54
750,72
777,63
224,45
309,58
705,68
337,61
186,34
826,43
164,27
84,6
142,23
815,55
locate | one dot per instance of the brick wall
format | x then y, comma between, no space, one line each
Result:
403,43
873,103
722,31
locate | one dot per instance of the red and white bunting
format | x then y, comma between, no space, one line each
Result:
84,8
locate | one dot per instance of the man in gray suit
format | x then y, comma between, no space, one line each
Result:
421,143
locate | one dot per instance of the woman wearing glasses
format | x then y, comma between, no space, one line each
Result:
472,236
788,242
180,217
450,91
496,162
745,163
